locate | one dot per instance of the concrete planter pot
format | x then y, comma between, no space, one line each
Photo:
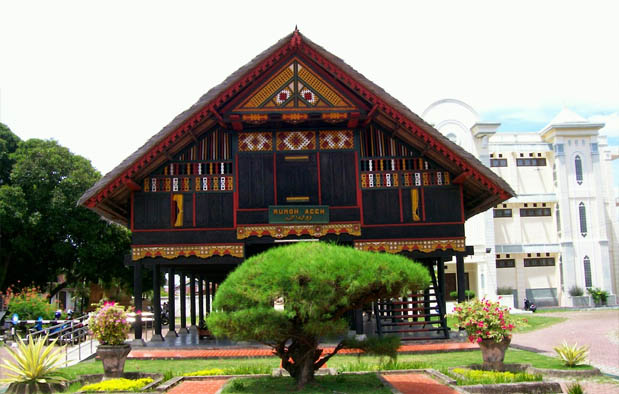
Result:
580,301
493,353
28,388
113,358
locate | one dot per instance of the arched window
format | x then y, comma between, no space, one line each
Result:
587,264
578,168
583,219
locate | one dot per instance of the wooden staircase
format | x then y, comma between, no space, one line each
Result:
419,316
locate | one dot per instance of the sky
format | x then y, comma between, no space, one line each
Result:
103,77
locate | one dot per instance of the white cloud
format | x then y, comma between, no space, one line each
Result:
611,129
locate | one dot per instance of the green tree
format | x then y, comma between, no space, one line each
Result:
318,283
8,145
42,230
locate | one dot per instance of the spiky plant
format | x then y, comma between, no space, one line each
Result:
34,363
572,355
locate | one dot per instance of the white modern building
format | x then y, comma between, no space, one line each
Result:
561,231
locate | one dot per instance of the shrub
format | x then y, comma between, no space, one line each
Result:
378,346
468,294
575,388
599,296
505,290
109,324
484,319
572,355
29,304
206,372
34,362
119,384
362,366
576,291
476,376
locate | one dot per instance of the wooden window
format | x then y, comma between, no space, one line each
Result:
506,263
540,262
526,212
531,162
498,162
502,213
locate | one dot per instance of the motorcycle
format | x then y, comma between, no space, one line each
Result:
529,306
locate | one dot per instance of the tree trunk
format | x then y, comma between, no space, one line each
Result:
299,359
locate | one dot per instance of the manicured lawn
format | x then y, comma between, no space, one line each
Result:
437,361
368,383
525,323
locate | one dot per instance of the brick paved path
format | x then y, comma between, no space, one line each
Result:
592,328
417,383
170,353
210,386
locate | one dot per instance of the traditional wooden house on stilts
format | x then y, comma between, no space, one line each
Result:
296,145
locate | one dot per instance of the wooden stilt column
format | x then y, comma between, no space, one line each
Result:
201,300
137,303
460,278
208,297
192,301
440,273
358,314
157,304
172,303
182,288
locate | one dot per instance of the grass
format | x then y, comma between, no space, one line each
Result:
348,363
368,383
466,377
524,323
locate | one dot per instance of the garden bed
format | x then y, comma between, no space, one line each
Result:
96,378
514,378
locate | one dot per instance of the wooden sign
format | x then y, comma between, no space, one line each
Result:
291,214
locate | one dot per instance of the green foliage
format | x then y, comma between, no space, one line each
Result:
599,296
468,294
505,290
34,362
576,291
572,355
318,283
378,346
119,384
358,384
206,372
44,233
109,324
8,145
575,388
484,319
390,365
476,376
29,304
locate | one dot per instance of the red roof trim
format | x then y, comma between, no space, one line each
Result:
296,43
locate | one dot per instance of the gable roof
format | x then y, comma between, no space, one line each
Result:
482,187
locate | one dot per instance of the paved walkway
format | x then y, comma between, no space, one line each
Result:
417,383
210,386
597,329
162,353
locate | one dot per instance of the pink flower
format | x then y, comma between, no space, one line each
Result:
478,339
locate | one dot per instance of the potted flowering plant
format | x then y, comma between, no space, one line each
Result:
110,327
488,324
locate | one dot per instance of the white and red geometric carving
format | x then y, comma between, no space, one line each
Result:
255,142
296,140
338,139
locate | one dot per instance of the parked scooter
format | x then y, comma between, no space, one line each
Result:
529,306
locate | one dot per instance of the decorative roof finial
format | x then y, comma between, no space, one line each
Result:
296,37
